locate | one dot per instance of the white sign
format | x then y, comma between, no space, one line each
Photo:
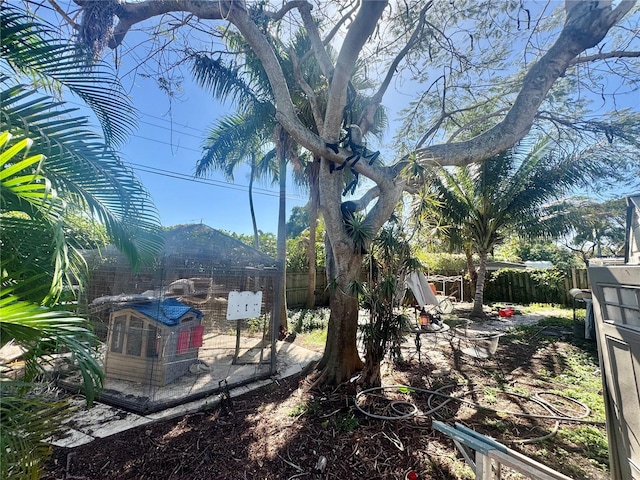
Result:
244,305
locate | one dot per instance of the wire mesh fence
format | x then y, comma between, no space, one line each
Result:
166,337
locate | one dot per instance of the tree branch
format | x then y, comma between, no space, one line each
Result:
476,121
339,23
359,31
604,56
367,117
63,14
132,13
316,43
287,7
584,28
366,199
306,88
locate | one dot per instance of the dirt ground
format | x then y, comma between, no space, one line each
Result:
286,431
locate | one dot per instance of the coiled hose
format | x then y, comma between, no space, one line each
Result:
402,409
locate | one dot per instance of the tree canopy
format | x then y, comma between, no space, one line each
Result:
482,75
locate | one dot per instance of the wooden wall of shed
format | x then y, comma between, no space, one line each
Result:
148,371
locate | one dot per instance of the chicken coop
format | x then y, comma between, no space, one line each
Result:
167,338
153,342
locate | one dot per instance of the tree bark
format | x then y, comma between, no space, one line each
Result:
478,300
371,376
340,360
473,276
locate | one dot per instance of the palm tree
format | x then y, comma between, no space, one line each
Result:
52,165
511,192
247,86
232,141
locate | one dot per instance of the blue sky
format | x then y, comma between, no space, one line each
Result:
168,142
169,138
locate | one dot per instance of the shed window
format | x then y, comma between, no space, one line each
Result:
117,336
183,341
196,336
134,338
622,305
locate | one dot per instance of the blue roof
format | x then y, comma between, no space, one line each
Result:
168,311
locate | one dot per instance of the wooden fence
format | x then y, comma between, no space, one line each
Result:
534,286
297,288
513,286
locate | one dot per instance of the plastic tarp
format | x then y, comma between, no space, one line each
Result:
421,290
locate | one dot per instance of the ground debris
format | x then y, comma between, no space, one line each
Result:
285,431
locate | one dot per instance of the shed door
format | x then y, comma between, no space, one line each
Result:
616,293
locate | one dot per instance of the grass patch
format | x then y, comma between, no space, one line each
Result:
346,423
304,408
557,321
591,440
316,338
559,310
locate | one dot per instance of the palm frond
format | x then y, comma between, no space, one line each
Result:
31,47
26,423
224,81
230,142
40,330
80,166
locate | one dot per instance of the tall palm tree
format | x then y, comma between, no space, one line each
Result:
52,163
232,141
247,86
512,192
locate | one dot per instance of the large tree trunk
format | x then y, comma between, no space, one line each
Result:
479,297
341,360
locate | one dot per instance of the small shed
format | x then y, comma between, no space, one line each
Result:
152,342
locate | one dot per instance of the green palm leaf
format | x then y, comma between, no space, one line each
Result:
231,141
84,170
226,81
30,47
26,423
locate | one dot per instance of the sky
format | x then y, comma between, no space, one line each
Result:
164,149
163,153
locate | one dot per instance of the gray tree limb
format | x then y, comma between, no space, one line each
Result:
366,119
584,28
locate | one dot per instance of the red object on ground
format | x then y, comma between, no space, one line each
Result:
505,312
411,475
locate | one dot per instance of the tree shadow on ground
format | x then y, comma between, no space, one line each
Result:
286,431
